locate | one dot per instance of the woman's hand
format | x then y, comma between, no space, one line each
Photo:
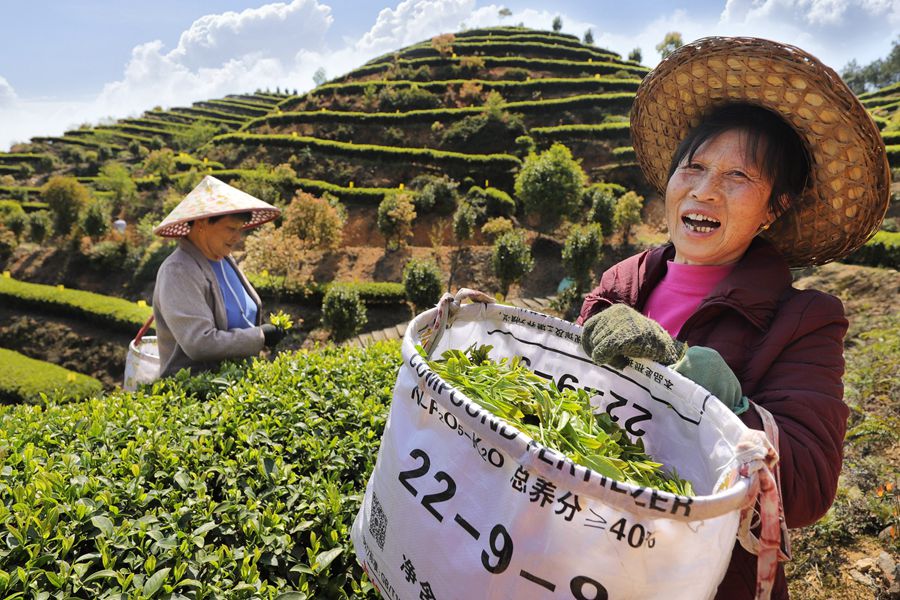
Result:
620,331
273,334
706,367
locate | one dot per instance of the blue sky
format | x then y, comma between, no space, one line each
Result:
63,63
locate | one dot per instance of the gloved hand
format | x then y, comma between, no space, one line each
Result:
273,334
620,331
706,367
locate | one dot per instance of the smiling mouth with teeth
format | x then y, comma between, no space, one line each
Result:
700,223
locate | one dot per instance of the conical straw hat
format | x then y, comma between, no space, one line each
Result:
212,198
849,188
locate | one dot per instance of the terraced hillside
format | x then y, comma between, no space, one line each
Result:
468,106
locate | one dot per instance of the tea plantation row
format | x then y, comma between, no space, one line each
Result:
242,484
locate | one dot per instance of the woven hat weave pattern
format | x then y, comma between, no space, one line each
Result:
849,188
213,198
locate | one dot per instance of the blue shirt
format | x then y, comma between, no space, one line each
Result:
239,306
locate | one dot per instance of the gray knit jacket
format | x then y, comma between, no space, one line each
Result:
191,325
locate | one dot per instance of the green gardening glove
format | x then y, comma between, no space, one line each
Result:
706,367
620,331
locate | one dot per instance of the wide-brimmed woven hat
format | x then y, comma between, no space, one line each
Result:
212,198
849,188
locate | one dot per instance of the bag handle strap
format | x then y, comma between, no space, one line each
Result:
766,489
447,307
143,330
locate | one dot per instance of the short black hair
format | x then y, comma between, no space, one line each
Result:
243,216
785,160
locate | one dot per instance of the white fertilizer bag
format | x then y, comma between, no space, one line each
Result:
142,360
461,505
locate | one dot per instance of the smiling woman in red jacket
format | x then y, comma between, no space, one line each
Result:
767,161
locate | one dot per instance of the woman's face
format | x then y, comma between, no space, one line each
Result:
217,240
717,202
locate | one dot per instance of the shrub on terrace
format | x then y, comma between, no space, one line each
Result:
464,220
12,215
40,225
114,177
160,162
108,255
66,199
270,185
550,185
422,283
496,227
443,43
309,223
437,193
96,218
395,216
491,202
581,251
493,130
628,214
602,198
407,98
516,74
8,242
511,259
343,311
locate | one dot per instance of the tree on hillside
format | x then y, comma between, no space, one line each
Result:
557,23
581,251
635,55
443,44
270,185
160,163
602,201
550,185
66,198
308,223
319,77
395,216
190,138
876,74
589,37
114,177
628,214
511,259
422,283
670,43
96,218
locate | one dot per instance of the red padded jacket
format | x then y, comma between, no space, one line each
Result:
786,348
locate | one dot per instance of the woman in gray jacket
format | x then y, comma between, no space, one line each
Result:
205,309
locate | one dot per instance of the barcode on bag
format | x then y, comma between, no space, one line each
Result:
377,522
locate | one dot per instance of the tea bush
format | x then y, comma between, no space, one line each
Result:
343,311
237,484
26,380
105,311
883,250
422,282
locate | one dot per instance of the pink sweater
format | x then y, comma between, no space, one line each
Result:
680,292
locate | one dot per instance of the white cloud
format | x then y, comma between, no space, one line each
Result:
831,30
274,46
413,21
7,93
270,31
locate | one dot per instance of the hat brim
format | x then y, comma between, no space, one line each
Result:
181,228
849,189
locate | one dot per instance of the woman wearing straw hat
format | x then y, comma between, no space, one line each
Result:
767,161
205,309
